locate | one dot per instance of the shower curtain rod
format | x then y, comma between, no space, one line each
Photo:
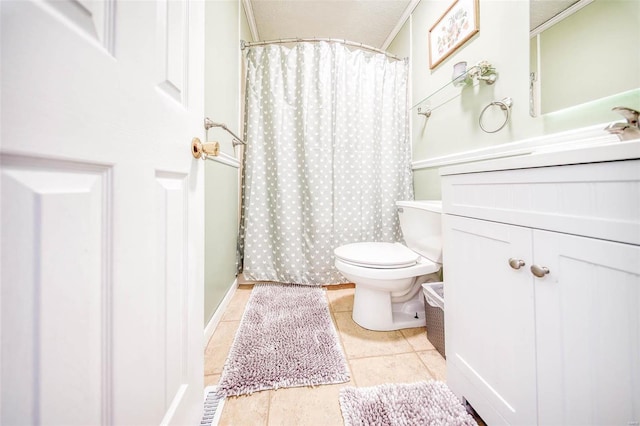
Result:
245,44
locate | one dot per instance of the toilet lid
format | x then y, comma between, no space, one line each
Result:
377,255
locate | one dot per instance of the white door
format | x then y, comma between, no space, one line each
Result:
102,212
587,330
490,345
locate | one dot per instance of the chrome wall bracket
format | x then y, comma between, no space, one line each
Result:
208,123
424,111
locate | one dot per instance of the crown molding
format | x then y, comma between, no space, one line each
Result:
559,17
248,11
405,15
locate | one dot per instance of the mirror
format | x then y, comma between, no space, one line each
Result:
581,51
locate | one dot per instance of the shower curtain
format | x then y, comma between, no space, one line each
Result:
327,156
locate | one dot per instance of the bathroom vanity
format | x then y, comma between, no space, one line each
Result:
542,286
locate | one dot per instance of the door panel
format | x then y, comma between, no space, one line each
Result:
476,256
172,35
102,212
588,330
172,209
94,18
54,201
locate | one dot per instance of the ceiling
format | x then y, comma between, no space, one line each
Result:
371,22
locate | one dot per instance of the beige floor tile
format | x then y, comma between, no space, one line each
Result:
359,342
417,338
246,410
435,363
211,379
404,368
374,357
306,406
237,304
218,347
242,281
341,299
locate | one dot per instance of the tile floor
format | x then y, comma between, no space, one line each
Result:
374,358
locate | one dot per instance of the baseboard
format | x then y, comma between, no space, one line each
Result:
217,315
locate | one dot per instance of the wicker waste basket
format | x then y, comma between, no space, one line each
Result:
434,314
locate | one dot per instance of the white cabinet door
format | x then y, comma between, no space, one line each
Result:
587,331
102,212
489,311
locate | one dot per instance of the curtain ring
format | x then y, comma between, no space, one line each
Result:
505,105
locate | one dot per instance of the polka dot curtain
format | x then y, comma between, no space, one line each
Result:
327,156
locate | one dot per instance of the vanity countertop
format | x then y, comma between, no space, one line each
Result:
548,156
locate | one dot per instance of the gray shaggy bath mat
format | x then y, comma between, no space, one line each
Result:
286,339
422,403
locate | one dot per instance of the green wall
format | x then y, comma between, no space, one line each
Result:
504,41
221,225
225,27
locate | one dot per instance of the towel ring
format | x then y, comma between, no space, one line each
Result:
505,105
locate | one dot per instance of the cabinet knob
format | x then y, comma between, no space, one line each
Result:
539,271
516,263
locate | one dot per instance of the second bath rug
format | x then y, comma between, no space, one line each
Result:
286,339
421,403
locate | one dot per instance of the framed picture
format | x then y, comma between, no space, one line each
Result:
457,25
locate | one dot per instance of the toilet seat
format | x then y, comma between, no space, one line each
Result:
422,267
377,255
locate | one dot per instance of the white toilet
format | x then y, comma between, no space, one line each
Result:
388,276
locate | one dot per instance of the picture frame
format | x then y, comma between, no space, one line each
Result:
456,26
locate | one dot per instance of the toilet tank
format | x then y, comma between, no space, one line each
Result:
421,224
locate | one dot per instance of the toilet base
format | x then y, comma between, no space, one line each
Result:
373,310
